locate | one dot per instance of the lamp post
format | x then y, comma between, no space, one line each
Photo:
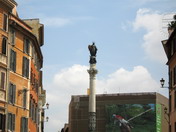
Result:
162,81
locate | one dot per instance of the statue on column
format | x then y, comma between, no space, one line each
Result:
93,51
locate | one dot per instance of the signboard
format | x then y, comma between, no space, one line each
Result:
131,118
158,117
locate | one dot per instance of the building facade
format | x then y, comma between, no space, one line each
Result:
144,111
21,61
170,50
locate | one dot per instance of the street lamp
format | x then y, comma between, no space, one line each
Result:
47,105
47,118
162,82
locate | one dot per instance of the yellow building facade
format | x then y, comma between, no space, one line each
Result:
21,61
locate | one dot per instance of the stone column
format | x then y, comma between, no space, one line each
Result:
92,85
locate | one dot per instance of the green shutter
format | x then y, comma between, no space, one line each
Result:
24,99
9,121
26,124
13,122
22,124
14,65
27,68
23,68
11,59
10,93
14,93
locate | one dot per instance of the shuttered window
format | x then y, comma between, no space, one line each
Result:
2,122
2,84
26,45
13,60
24,124
25,68
30,108
4,46
12,93
11,122
24,98
12,36
5,22
174,75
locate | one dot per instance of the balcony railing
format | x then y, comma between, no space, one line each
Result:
3,59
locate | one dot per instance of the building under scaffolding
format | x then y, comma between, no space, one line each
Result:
140,111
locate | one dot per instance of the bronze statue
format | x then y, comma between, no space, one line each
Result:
93,51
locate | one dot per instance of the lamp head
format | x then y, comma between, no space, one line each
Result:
162,82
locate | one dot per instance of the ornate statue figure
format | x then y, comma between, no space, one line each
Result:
93,51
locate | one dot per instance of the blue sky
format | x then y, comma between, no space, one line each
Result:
127,34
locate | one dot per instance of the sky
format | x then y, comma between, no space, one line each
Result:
127,33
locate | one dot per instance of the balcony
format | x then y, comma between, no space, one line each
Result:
3,59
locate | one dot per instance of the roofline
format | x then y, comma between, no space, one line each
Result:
121,94
9,3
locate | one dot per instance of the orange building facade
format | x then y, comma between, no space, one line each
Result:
170,49
21,92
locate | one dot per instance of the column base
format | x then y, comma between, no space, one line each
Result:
92,121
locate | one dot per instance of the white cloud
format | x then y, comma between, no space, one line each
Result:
55,21
151,21
61,22
75,81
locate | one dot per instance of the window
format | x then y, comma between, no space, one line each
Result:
2,122
2,77
24,124
13,60
33,111
174,75
26,45
30,109
12,36
170,103
170,79
25,68
5,22
11,122
4,45
175,99
36,113
24,98
12,93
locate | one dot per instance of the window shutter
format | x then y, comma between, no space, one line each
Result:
14,65
11,59
13,122
10,93
5,22
24,99
26,124
27,68
12,36
2,80
23,72
14,94
175,75
9,121
22,124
